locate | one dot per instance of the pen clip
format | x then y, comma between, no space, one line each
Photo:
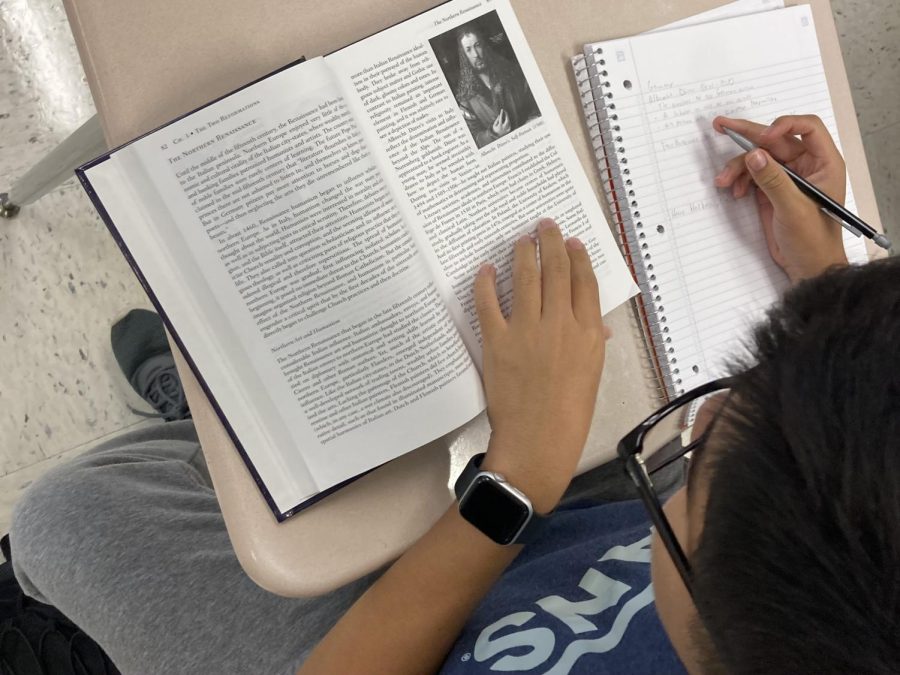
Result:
850,228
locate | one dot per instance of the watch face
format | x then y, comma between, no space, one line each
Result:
494,510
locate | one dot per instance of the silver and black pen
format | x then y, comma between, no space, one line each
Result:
853,223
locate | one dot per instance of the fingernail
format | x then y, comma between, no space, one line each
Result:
756,160
525,239
722,174
574,243
486,268
546,224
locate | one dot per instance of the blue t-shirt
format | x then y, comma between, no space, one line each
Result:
578,600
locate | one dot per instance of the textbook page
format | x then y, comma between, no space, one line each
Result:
469,189
305,264
707,251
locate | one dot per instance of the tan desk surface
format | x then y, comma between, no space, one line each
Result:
148,62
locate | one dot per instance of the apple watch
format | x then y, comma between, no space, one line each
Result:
490,503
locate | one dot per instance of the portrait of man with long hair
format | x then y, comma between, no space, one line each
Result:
490,88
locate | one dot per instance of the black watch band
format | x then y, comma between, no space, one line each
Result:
534,522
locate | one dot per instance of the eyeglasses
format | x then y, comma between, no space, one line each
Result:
659,438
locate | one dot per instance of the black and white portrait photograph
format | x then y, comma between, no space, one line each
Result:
482,70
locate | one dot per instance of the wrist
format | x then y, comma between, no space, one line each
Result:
543,488
819,266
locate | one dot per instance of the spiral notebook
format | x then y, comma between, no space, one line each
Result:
699,255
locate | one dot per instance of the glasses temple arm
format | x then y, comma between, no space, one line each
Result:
634,467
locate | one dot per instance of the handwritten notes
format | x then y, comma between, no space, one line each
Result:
705,261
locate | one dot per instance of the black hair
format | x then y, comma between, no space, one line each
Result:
797,569
469,82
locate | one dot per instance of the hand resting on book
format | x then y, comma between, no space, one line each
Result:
542,364
802,239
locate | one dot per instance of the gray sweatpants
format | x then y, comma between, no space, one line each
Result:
128,542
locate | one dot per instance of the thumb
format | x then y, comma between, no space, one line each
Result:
778,187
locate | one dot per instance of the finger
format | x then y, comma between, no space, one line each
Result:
815,137
766,214
585,290
733,170
526,307
791,204
555,269
741,186
490,318
784,147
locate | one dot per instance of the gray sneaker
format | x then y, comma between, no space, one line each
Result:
142,352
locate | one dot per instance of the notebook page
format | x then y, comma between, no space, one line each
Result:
703,251
736,8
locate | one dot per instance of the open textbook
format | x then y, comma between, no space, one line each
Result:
311,239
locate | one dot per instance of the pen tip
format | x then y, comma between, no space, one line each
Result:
882,241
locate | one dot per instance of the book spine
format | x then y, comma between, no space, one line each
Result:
608,142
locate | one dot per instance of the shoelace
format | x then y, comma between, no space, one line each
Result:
157,381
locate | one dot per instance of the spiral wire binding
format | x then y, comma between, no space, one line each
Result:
600,115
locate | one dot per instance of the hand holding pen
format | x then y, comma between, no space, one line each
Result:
802,238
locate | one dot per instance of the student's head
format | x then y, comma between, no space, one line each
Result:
791,514
471,46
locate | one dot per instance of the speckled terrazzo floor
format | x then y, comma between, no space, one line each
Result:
63,282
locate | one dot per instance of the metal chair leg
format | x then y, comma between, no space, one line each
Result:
83,144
